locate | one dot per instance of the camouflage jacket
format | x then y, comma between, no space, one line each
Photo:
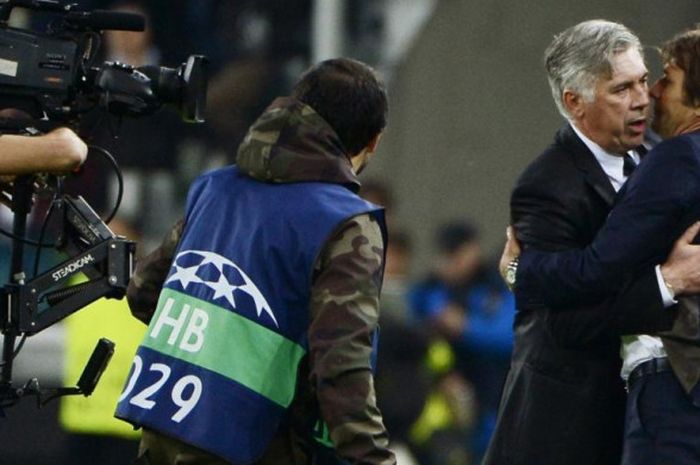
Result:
291,143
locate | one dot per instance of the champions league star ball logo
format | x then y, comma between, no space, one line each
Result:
221,275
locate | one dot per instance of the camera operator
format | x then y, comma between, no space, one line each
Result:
299,261
58,151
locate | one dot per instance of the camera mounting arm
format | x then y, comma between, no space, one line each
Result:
107,261
27,307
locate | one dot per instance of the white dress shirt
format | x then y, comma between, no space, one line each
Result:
639,348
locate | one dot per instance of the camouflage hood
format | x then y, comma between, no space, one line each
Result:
290,142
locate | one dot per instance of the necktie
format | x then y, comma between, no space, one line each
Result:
628,165
641,151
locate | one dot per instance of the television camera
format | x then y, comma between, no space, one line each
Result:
53,77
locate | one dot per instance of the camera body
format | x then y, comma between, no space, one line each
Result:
53,73
37,73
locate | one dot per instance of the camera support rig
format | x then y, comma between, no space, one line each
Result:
53,75
106,259
28,306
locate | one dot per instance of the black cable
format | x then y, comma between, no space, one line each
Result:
16,350
120,180
37,254
56,198
38,244
37,258
24,240
19,347
120,194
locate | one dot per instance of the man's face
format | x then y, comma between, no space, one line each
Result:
616,118
671,115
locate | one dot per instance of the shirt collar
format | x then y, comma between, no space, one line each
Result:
611,163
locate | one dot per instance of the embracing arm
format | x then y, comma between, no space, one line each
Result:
637,308
637,235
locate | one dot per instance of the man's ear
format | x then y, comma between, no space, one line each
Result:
573,103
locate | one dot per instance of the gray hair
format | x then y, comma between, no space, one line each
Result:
580,55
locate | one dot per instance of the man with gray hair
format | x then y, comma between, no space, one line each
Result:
563,401
662,371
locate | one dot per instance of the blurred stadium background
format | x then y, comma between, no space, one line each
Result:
469,108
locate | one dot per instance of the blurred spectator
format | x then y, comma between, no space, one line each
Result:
464,301
131,47
426,404
254,47
225,30
400,364
403,381
146,148
230,31
396,278
439,436
237,95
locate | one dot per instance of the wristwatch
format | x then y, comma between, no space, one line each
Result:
512,273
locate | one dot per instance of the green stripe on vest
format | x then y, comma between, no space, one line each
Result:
222,341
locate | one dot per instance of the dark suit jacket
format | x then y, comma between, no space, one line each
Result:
563,402
660,200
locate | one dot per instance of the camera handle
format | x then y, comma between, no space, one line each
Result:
106,260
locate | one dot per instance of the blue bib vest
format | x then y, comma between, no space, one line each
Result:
218,366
